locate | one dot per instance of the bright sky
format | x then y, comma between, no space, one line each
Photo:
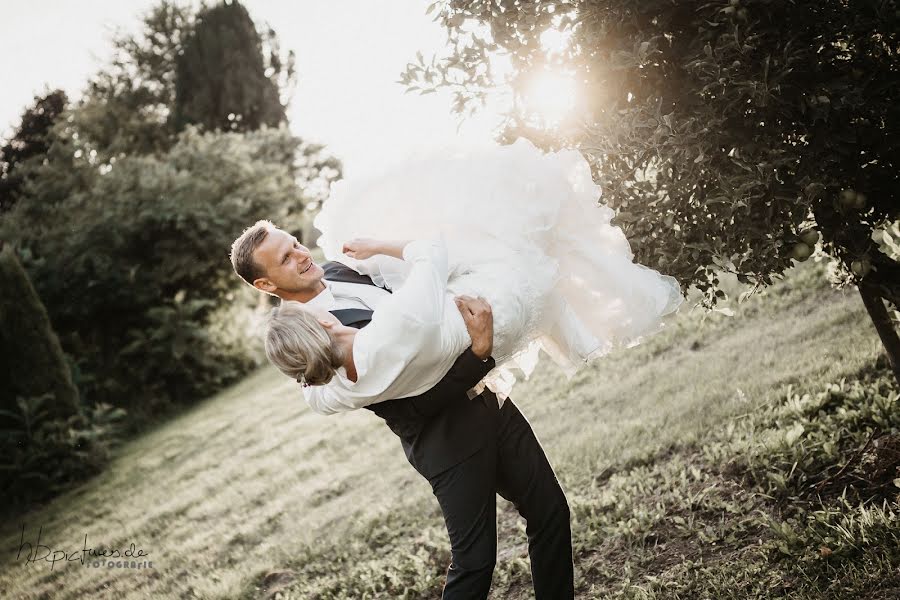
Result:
349,53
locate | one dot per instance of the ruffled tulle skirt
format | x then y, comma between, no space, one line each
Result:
524,229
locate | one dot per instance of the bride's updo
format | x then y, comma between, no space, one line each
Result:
299,346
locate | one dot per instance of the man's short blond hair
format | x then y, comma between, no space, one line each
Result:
242,250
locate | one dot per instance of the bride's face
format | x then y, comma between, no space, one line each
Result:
288,264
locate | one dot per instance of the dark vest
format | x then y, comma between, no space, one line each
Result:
439,428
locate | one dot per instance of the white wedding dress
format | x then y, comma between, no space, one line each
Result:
524,230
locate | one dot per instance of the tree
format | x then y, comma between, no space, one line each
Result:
127,105
144,249
221,75
130,105
29,141
134,218
730,136
50,438
32,363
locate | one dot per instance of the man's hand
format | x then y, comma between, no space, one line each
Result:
476,312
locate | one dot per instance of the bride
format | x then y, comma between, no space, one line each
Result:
518,227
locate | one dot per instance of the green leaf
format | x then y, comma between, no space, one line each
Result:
794,433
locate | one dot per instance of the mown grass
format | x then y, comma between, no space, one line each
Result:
690,463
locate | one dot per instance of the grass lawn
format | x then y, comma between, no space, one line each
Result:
679,458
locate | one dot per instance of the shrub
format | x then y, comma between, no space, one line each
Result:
144,250
41,456
31,359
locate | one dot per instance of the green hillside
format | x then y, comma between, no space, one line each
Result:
705,463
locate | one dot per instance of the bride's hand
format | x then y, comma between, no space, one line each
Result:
362,248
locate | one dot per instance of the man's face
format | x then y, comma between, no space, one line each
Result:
288,266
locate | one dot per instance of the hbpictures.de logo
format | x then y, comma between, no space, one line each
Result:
131,557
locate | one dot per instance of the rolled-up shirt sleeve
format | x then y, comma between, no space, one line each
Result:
386,271
405,323
421,298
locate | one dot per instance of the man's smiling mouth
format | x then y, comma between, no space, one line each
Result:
308,267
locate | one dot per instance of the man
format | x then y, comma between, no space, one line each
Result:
468,450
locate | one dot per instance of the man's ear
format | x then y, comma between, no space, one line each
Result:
326,323
265,285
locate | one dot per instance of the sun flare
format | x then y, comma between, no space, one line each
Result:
554,41
549,96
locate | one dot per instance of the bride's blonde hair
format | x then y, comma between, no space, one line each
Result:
299,346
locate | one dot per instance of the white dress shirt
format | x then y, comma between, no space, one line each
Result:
415,336
339,295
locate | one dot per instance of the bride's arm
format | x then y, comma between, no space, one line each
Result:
363,248
326,400
380,260
420,297
470,367
405,323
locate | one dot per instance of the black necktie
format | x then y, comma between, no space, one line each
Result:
349,317
353,317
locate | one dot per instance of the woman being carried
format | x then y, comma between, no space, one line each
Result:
523,230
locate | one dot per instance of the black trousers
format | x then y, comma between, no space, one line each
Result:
514,465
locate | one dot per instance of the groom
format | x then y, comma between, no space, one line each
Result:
468,450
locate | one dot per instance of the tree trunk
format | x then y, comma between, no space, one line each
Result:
882,321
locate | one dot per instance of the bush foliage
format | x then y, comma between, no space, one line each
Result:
133,266
42,455
729,135
719,130
126,202
47,438
31,360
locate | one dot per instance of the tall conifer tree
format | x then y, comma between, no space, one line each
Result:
221,79
31,359
30,140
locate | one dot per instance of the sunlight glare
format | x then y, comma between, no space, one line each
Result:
549,96
501,66
554,41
